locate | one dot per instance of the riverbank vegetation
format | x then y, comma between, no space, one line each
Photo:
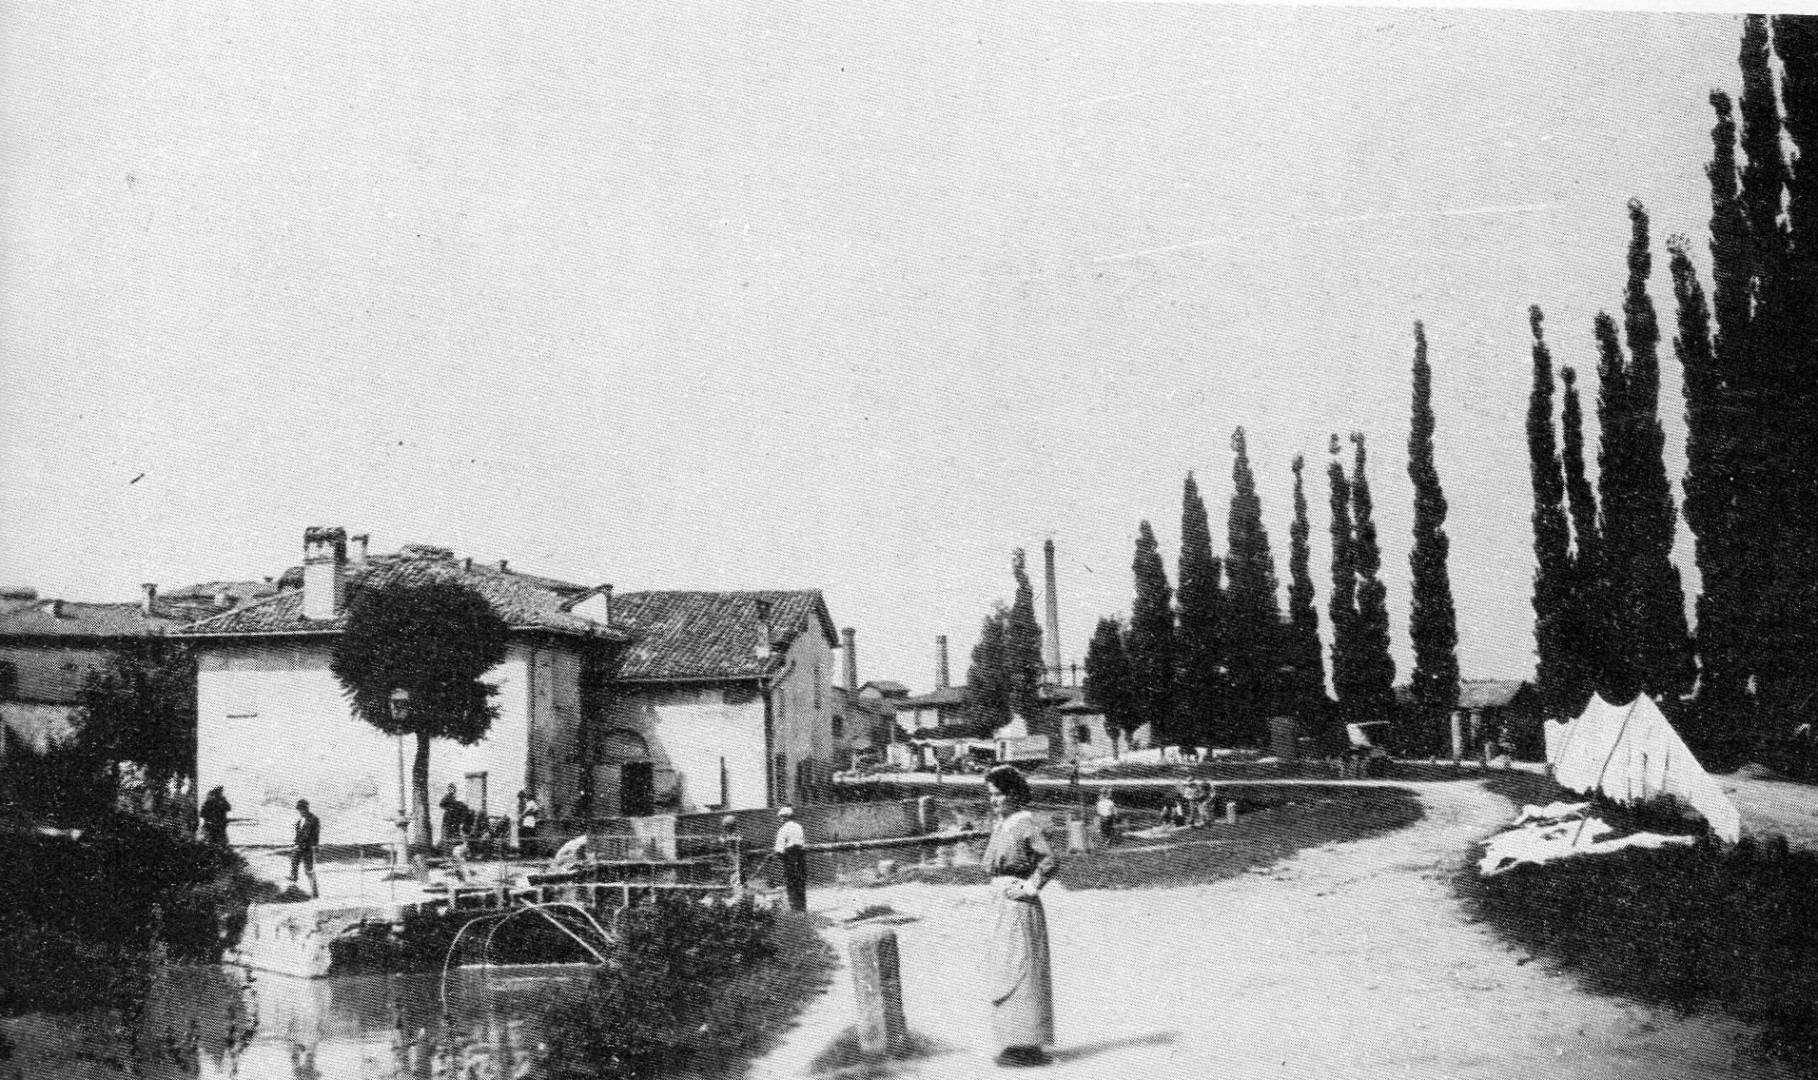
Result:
1702,927
1273,824
92,893
687,989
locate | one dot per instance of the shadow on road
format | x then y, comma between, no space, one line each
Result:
1075,1053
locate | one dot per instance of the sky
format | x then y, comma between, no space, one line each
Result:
851,297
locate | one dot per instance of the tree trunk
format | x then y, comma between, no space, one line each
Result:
421,840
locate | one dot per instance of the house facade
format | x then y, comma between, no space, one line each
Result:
718,701
273,725
606,706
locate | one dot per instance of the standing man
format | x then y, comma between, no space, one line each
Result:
214,813
529,814
792,850
454,818
307,837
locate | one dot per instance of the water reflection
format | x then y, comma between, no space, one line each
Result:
218,1022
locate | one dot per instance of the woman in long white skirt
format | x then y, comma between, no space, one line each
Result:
1020,863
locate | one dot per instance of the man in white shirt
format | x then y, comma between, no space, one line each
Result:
792,851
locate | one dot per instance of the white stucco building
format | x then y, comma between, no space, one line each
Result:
606,707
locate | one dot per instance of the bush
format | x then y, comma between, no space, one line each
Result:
76,917
1690,928
646,1008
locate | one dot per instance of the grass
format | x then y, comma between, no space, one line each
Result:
1689,928
1274,824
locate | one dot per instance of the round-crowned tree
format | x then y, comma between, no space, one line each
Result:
432,636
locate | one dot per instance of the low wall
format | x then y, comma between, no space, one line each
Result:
830,823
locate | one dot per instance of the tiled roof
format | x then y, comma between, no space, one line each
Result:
886,688
713,635
79,620
525,602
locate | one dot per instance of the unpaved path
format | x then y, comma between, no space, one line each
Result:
1349,960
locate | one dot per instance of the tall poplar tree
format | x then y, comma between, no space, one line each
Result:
1199,678
1375,670
1588,622
1432,620
1308,693
1558,673
1023,664
1652,647
1108,681
1253,609
1343,605
987,684
1150,642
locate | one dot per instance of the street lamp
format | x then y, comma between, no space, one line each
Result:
399,703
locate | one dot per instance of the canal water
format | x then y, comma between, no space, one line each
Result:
219,1022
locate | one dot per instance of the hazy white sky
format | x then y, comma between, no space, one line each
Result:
804,295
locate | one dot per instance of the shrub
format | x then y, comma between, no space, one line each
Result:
1687,927
643,1011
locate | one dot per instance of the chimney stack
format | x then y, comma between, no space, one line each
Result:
359,556
504,566
606,592
148,597
1054,652
851,639
324,572
940,663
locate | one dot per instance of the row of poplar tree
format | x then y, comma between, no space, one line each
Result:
1210,663
1609,604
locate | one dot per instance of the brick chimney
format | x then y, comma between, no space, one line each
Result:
850,637
324,572
360,544
148,597
1053,613
606,594
941,681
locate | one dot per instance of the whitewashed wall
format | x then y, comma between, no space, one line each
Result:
273,727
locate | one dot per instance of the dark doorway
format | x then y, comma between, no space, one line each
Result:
637,789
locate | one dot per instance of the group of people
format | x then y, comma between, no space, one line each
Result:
460,823
1191,806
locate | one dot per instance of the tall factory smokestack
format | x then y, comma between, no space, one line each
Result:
851,645
1054,654
941,681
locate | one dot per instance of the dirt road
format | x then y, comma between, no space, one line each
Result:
1349,960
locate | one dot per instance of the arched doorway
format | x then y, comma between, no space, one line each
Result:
629,781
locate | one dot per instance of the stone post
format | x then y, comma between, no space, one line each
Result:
1076,836
1457,739
878,983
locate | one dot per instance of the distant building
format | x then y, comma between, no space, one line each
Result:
939,708
50,647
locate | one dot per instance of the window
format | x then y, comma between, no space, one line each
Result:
817,687
1083,735
839,727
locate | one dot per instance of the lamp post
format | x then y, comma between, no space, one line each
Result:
400,712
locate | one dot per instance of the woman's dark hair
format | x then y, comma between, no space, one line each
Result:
1008,780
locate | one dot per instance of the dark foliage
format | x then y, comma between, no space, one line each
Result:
1652,650
1343,605
1023,648
1374,668
1149,644
1306,694
80,918
141,708
658,1006
1589,625
1199,680
1253,610
433,637
1432,619
1108,679
1666,926
987,683
1558,673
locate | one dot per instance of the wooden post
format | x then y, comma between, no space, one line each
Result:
878,983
